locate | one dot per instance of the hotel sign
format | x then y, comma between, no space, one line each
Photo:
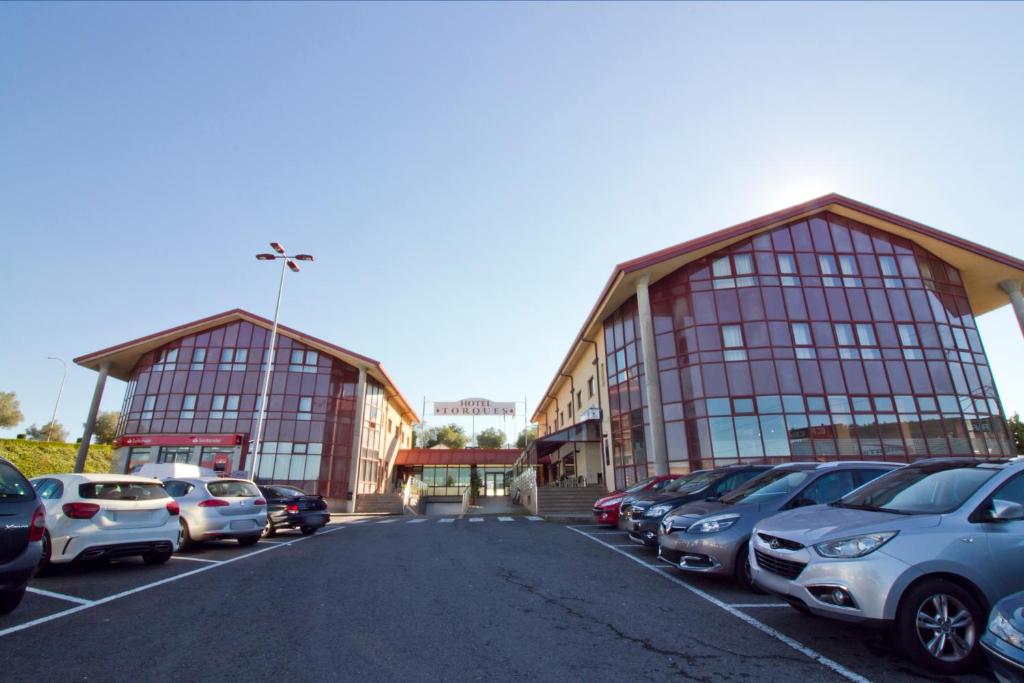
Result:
180,440
475,406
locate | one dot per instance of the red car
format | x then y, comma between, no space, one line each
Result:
606,510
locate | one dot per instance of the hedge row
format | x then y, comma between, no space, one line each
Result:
35,458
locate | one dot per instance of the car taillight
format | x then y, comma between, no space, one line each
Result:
291,509
259,501
38,525
214,503
173,508
81,510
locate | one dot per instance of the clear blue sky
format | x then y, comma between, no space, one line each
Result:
467,174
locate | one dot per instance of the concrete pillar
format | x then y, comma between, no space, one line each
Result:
90,419
652,383
357,437
1012,289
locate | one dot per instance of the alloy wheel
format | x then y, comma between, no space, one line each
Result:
946,628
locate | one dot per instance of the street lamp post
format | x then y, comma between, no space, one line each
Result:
60,392
286,262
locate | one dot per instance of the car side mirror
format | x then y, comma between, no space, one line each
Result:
1005,511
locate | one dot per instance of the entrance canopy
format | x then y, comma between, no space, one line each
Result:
588,431
456,456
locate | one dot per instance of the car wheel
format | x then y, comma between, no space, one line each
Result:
45,567
157,557
308,530
269,531
744,574
185,541
248,540
939,625
10,599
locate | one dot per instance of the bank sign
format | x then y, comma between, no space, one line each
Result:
475,406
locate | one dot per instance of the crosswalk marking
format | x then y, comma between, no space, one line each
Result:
534,518
505,519
476,519
386,521
417,520
446,520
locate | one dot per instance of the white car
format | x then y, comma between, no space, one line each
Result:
215,508
106,516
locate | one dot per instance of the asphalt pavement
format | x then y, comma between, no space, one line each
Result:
502,598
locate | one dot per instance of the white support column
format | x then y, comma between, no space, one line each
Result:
1012,289
357,437
652,384
90,419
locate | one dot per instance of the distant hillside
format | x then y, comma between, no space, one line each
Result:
42,457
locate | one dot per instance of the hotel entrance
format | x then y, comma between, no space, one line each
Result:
495,484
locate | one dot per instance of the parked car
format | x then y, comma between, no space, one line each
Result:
22,524
606,510
711,536
644,513
104,517
215,508
292,508
1003,641
926,549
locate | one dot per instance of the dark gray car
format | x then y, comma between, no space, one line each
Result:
711,537
22,523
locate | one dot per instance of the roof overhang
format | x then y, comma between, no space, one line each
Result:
457,456
981,268
125,356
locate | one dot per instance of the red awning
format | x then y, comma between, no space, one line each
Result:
457,456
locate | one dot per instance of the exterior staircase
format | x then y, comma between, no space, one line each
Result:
379,503
554,500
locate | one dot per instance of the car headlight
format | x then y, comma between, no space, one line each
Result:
658,510
856,546
713,525
1001,627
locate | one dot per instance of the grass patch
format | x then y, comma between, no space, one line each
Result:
35,458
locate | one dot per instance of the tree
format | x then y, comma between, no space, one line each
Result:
106,426
10,410
450,435
48,432
526,437
1017,432
490,438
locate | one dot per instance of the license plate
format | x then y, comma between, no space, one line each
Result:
243,524
128,515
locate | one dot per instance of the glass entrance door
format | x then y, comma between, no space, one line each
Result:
494,484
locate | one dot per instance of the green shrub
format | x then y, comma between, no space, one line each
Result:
35,458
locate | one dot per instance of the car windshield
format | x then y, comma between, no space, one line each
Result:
769,486
232,489
640,485
287,492
122,490
694,482
920,490
13,486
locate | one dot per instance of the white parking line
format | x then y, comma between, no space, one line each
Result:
476,519
446,520
194,559
631,546
117,596
417,520
59,596
505,519
534,518
748,605
608,533
764,628
386,521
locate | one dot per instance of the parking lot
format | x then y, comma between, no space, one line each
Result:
450,598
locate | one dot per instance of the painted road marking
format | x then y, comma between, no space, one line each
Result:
386,521
741,605
534,518
195,559
764,628
476,519
505,519
446,520
417,520
59,596
123,594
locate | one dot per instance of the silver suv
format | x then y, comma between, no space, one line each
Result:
926,549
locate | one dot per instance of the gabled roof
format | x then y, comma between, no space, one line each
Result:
981,268
457,456
123,357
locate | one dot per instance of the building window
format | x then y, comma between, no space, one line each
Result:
732,342
233,359
590,387
166,360
802,340
827,264
188,407
303,361
908,338
147,407
224,407
198,359
288,461
579,399
787,269
305,408
890,271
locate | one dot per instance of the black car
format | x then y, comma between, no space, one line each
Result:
642,515
22,524
292,508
